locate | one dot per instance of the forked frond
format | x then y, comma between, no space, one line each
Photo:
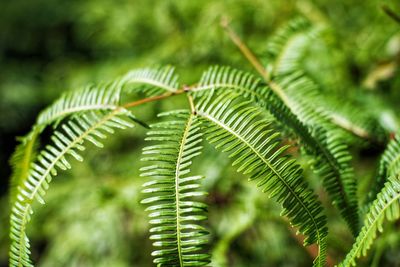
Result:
237,129
153,81
386,206
332,159
68,141
175,211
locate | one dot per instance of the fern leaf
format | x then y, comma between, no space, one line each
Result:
67,143
386,206
389,165
21,160
154,81
333,161
287,47
102,97
236,129
174,212
331,154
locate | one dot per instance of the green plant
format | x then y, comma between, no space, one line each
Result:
258,121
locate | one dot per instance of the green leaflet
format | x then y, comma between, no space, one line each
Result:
175,212
68,141
386,206
236,129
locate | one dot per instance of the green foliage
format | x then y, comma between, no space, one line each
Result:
305,131
174,212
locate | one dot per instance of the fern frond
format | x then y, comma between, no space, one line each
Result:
174,211
286,51
153,81
331,154
287,47
389,165
21,160
102,97
237,129
333,160
67,142
386,206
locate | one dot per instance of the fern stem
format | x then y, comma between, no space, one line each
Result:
177,194
154,98
245,50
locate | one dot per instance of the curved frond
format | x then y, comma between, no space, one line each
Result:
237,129
386,206
153,81
21,161
90,98
389,165
332,157
175,213
68,141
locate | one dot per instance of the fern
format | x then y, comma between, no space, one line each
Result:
286,49
67,142
102,97
386,206
174,214
334,164
235,129
21,161
332,160
154,81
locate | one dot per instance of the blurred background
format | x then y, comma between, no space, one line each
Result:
93,216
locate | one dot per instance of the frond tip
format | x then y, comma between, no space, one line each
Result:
174,213
387,205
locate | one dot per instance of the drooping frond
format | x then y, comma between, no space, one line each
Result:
174,211
386,206
153,81
68,141
21,161
238,130
101,97
331,154
333,160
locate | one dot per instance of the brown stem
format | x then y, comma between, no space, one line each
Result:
244,49
154,98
